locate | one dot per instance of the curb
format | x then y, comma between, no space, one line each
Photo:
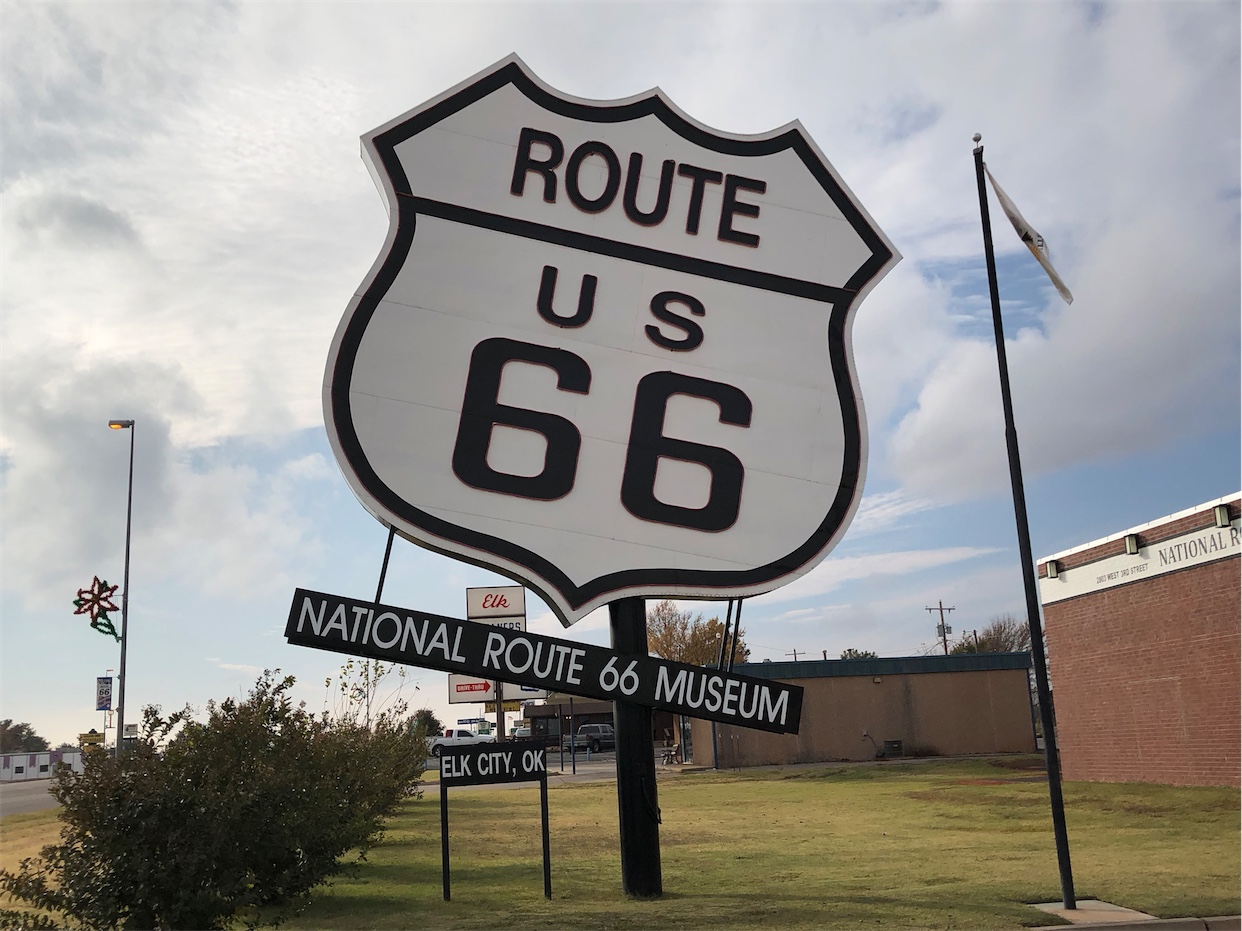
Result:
1217,923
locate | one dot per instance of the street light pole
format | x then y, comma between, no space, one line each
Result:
129,522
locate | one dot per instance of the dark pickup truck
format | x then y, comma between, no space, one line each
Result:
596,737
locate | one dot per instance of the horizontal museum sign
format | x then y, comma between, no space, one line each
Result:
416,638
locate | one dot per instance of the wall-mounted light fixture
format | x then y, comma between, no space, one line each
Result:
1132,544
1054,568
1222,515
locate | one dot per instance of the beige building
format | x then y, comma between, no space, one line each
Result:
906,706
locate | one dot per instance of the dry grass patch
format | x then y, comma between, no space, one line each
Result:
25,835
945,844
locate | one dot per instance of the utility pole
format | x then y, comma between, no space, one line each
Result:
794,654
129,523
942,629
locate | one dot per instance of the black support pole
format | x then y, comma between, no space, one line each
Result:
737,630
547,842
1051,758
444,841
379,588
637,803
724,639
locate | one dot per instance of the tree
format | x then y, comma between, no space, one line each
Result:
676,635
358,691
235,819
20,738
428,720
1004,634
851,653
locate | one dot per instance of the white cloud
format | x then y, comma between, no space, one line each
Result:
237,667
836,571
1145,354
885,510
220,528
186,217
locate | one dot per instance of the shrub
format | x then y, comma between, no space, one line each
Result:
245,812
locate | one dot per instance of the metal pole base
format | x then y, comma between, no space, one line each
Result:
637,802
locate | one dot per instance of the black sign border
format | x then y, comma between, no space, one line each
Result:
541,570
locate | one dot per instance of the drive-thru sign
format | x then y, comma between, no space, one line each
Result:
605,349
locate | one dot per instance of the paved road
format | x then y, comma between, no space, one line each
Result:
17,798
32,795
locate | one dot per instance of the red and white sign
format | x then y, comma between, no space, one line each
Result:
463,689
606,349
506,601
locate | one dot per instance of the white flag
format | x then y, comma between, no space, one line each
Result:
1033,240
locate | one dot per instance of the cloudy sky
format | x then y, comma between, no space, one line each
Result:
186,217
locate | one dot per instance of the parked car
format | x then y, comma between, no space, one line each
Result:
457,737
596,737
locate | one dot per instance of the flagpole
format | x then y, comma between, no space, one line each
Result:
1051,758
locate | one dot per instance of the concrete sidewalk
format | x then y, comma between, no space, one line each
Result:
1104,916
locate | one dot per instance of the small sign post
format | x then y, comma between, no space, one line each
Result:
490,764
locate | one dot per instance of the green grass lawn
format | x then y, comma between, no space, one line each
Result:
937,844
931,844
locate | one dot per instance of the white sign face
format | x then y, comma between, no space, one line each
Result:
1207,544
605,351
463,689
523,692
505,601
495,607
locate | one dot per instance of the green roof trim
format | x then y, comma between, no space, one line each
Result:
885,666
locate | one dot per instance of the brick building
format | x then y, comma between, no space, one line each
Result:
1143,650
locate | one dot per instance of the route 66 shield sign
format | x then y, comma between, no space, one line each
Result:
605,350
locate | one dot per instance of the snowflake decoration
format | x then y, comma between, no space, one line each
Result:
96,601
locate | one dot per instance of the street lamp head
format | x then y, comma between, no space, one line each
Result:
120,424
